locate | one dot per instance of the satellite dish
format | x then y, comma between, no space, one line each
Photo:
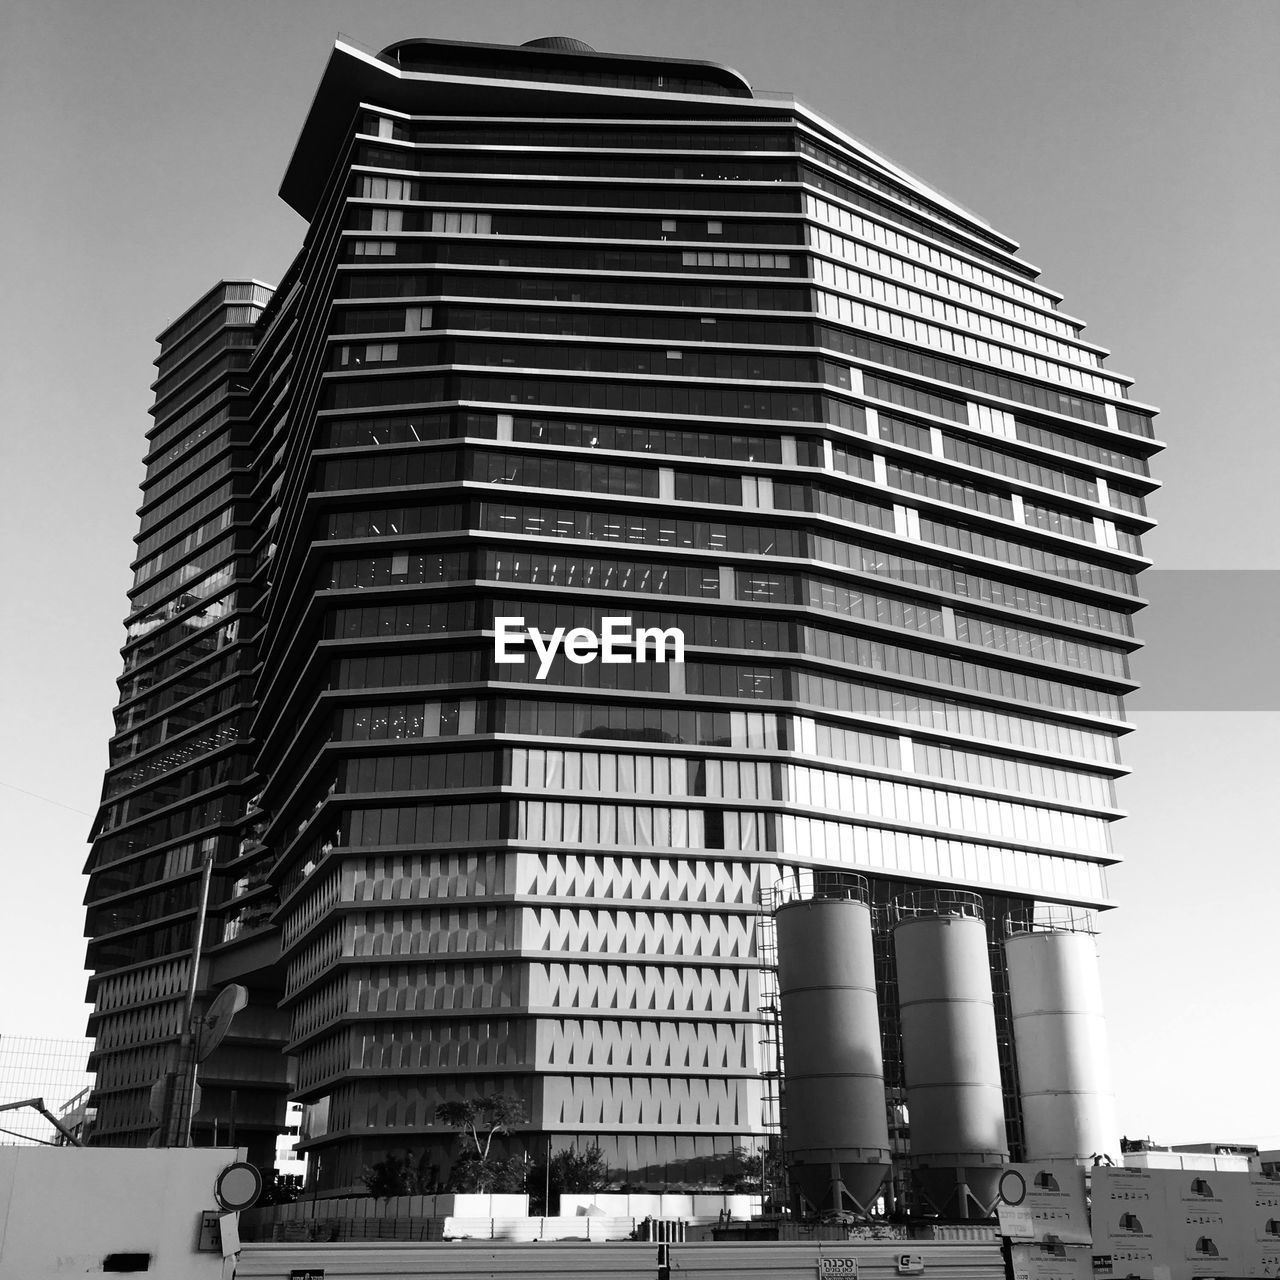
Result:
217,1022
238,1185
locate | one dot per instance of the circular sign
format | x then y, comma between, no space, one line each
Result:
238,1186
1013,1187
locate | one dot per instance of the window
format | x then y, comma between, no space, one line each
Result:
750,261
362,354
377,187
417,318
467,224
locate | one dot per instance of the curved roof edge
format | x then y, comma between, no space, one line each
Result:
354,75
559,42
567,52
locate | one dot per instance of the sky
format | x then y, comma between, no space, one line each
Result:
1130,148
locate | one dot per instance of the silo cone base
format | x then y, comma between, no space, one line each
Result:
966,1192
838,1186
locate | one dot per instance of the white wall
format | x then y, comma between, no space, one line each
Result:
1196,1161
707,1205
62,1209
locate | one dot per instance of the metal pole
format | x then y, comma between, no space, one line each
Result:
546,1193
188,1046
37,1104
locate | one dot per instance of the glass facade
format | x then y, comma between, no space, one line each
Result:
178,790
888,492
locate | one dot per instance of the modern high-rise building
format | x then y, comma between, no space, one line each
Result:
575,337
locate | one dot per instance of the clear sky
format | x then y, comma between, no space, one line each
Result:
1130,148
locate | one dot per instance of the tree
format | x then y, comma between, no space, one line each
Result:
391,1176
571,1170
471,1173
754,1169
495,1113
401,1176
479,1121
574,1170
277,1188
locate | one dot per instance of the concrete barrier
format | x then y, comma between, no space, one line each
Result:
548,1260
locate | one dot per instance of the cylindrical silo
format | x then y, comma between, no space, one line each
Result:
837,1134
950,1059
1060,1036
